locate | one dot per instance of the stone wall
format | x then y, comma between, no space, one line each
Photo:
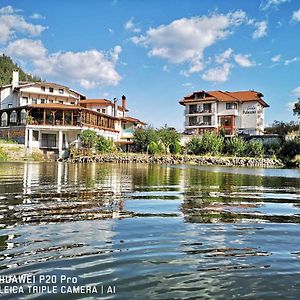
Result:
179,159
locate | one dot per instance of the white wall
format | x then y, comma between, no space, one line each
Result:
7,97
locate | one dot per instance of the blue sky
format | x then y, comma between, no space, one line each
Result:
155,52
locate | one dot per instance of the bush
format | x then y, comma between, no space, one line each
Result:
194,146
142,137
88,138
254,149
175,148
212,143
3,155
153,148
207,143
104,145
272,148
235,146
289,150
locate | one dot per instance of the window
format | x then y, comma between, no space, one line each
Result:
43,89
24,100
35,135
50,101
61,91
43,101
48,140
231,106
103,110
72,103
9,105
51,89
34,100
98,110
61,102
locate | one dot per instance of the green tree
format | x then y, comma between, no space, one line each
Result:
296,109
142,137
170,138
7,66
104,145
88,138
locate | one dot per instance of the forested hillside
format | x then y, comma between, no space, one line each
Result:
6,68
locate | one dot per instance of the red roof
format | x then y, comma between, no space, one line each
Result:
103,102
132,120
241,96
97,101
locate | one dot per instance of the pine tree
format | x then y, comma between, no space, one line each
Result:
7,66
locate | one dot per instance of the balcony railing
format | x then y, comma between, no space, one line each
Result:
200,111
203,124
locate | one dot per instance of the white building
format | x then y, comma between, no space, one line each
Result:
50,116
235,112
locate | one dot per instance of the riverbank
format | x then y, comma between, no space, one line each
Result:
178,159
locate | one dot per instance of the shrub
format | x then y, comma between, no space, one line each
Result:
212,143
142,137
194,146
272,148
289,150
3,155
254,148
153,148
175,148
88,138
235,146
104,145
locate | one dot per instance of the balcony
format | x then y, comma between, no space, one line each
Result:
199,111
199,124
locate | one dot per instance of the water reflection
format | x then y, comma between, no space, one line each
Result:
158,232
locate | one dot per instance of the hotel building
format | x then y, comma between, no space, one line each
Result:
51,117
234,112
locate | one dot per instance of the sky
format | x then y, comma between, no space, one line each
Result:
156,52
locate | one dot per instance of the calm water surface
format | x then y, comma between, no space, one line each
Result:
152,232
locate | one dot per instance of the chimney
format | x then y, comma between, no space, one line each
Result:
124,102
115,107
15,79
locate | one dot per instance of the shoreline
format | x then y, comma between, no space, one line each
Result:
229,161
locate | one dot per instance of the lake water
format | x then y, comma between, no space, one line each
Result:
149,232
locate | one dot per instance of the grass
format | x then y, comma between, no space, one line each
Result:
7,141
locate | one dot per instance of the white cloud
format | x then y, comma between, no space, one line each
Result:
26,49
261,30
130,26
296,16
36,16
7,10
276,58
244,61
296,91
219,74
272,3
221,58
185,40
187,84
12,24
90,68
290,61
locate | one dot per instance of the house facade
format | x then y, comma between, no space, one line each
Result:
234,112
51,117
